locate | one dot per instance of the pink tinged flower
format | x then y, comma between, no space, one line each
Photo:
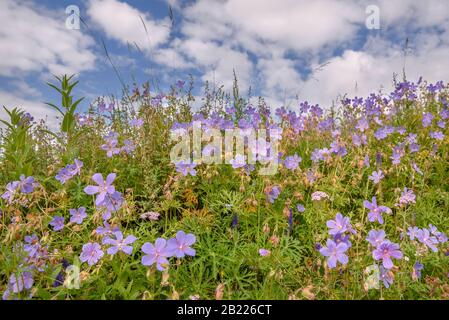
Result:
385,251
77,215
119,244
386,276
156,254
407,196
376,211
362,125
151,215
376,237
319,195
413,232
11,190
238,162
264,252
416,273
335,253
180,245
91,253
376,176
103,187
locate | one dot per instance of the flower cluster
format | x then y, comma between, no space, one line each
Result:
159,252
335,248
69,171
24,185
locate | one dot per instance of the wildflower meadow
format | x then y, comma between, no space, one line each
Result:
112,205
218,158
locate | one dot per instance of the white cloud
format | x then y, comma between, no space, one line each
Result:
36,40
123,23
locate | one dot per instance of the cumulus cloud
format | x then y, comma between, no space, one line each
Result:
124,23
28,41
35,41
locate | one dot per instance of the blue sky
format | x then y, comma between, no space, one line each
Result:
276,47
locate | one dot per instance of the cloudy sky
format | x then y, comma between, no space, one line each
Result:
282,49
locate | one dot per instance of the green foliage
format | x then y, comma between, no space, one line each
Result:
17,144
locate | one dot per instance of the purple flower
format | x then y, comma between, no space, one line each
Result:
91,253
385,251
103,188
366,161
113,202
156,253
386,276
375,210
427,119
381,133
441,237
416,273
341,237
78,215
186,168
32,245
438,135
300,207
26,184
136,123
57,223
111,148
273,193
11,190
335,253
264,252
362,125
180,84
407,196
107,229
416,168
128,146
238,162
376,237
376,176
119,244
341,224
180,245
292,162
63,175
423,236
413,232
18,284
76,167
398,153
